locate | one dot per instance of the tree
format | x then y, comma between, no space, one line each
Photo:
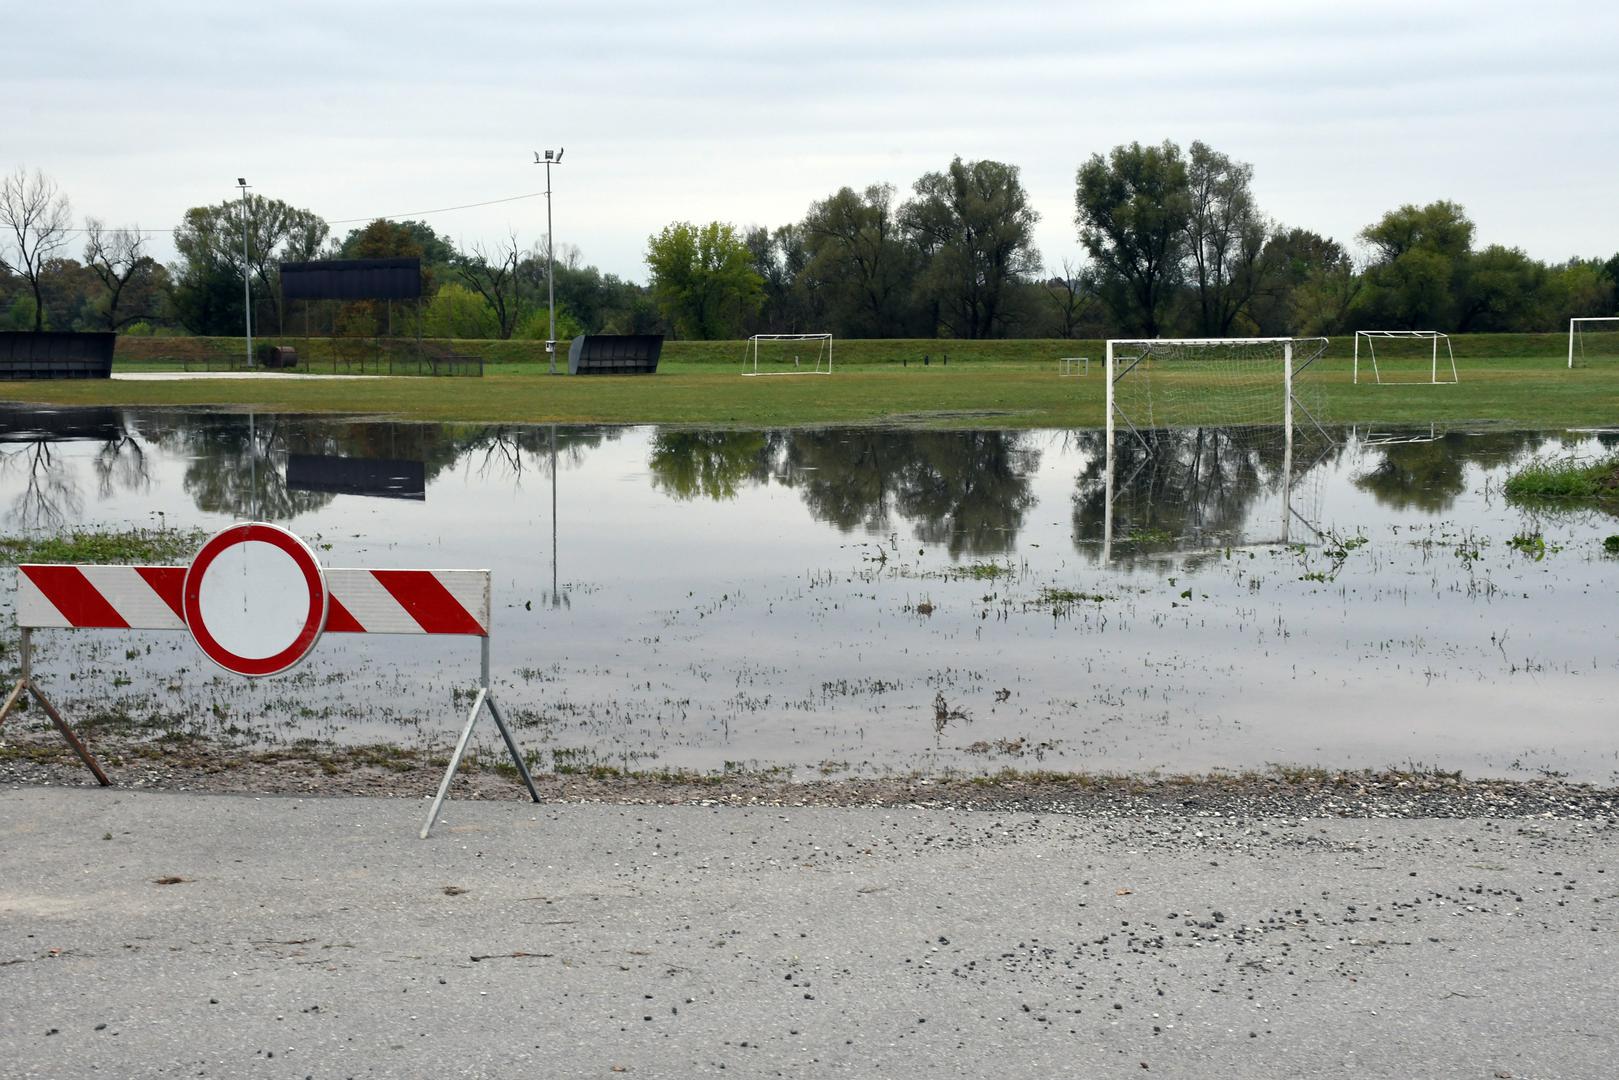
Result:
1225,237
858,254
494,279
974,224
1500,291
1419,265
1294,260
1070,294
119,260
703,279
35,217
457,312
1132,210
209,241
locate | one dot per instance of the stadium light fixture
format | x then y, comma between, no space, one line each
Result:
247,275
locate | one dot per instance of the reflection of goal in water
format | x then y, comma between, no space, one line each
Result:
1403,352
788,354
1247,431
1593,339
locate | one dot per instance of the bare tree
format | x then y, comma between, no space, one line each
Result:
116,256
35,216
495,280
1071,294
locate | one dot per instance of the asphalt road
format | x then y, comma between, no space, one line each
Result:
321,938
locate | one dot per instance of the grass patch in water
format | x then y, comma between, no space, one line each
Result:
1567,479
140,546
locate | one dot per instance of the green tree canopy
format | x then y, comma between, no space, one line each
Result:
974,228
703,279
1132,210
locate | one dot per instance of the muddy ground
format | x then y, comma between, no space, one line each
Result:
30,757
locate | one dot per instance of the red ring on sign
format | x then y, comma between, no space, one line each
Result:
314,580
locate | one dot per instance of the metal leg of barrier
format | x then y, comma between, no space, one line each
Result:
455,761
511,748
485,697
26,684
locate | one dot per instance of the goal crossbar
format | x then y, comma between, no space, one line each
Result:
1371,337
821,364
1576,325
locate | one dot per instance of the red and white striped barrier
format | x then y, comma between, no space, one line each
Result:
66,596
256,600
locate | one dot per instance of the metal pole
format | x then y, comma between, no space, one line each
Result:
1107,490
550,278
247,277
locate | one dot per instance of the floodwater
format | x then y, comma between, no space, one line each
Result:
856,601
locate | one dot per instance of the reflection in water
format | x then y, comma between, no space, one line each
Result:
1427,471
47,488
721,612
1186,489
966,490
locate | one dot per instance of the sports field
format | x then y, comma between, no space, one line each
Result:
1512,379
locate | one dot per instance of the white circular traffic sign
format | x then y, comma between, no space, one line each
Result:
255,599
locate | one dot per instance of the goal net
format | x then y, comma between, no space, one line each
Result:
1405,356
788,354
1593,340
1212,442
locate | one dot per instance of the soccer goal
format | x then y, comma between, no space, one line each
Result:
1196,426
1229,382
1069,367
788,354
1594,339
1406,353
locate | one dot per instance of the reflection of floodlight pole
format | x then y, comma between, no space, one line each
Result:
550,282
247,275
556,597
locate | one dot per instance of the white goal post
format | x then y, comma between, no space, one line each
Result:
1073,366
1433,337
788,354
1580,333
1234,381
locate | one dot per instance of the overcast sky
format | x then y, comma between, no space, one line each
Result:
748,112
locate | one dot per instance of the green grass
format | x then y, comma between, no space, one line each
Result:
138,546
1508,379
1566,480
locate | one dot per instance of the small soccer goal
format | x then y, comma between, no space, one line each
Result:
788,354
1406,356
1069,367
1593,340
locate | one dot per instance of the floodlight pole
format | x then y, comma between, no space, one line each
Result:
247,274
550,279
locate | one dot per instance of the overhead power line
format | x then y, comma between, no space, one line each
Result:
374,217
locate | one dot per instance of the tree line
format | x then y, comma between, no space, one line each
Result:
1169,242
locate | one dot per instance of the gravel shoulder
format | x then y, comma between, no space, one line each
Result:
147,933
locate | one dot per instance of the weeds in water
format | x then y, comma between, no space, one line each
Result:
1533,544
151,546
1611,544
1568,479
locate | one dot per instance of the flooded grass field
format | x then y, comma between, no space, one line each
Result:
863,601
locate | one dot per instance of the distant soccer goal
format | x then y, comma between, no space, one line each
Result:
1069,367
1408,356
1593,340
788,354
